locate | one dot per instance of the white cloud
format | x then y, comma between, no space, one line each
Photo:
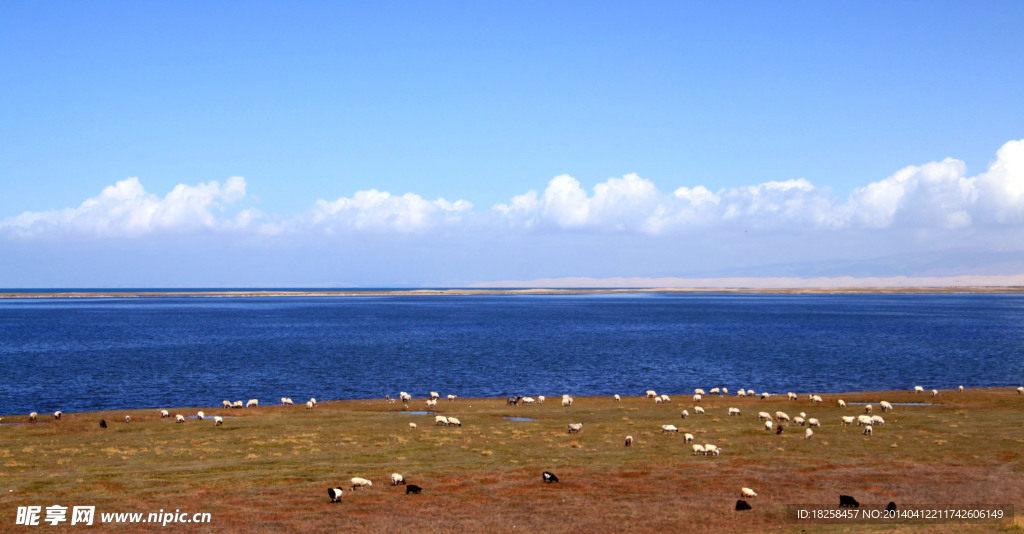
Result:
381,211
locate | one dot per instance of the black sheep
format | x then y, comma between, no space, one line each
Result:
847,501
742,505
103,423
549,477
412,488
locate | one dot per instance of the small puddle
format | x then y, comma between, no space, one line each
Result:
511,418
415,413
896,403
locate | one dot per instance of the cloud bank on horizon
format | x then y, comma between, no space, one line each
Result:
936,196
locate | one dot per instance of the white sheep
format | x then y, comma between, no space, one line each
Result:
877,420
657,400
768,425
841,403
741,393
453,421
32,417
685,414
816,398
808,433
711,449
935,393
698,410
629,440
799,420
309,405
313,400
803,414
358,482
58,414
412,426
886,406
764,416
867,430
868,408
651,394
734,411
453,397
251,403
698,449
669,428
813,422
665,398
918,389
960,388
725,391
200,415
1020,390
179,418
434,395
127,419
696,397
566,400
617,398
765,395
863,420
286,400
792,396
433,402
226,404
575,427
699,391
716,391
164,413
747,492
688,438
848,419
541,399
237,404
781,416
397,479
440,420
218,420
404,397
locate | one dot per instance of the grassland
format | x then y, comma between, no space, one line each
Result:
267,468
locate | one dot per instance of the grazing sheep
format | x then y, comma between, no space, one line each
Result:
764,416
237,404
434,395
218,420
886,406
698,449
742,505
127,419
309,405
696,397
867,430
651,394
808,433
960,389
803,414
226,404
845,501
711,449
799,420
575,427
935,393
58,414
103,423
657,400
669,428
548,477
453,397
313,400
725,391
513,401
698,410
780,430
397,479
685,414
566,400
877,420
433,402
32,417
454,422
816,398
358,482
617,398
768,425
792,396
868,408
1020,390
687,438
813,422
541,399
201,415
251,403
179,418
918,389
716,391
665,398
629,440
335,494
863,420
287,400
164,413
699,391
848,419
781,416
412,426
891,507
766,395
741,393
413,489
404,397
734,411
841,403
440,420
747,492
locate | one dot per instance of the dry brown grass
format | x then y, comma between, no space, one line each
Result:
268,468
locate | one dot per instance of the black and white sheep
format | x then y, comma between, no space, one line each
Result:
397,479
549,477
335,494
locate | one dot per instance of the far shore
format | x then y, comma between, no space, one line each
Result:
524,291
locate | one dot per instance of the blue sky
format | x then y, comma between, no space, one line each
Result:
333,143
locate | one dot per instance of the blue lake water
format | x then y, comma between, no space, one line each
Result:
91,354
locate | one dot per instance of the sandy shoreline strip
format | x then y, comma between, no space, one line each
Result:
534,291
